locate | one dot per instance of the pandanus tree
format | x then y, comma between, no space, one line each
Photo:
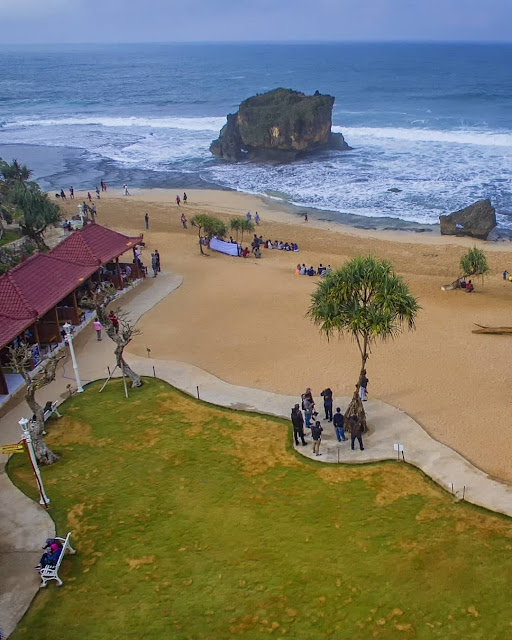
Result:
36,212
368,301
241,225
208,226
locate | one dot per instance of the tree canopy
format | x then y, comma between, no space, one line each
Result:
474,263
367,300
207,227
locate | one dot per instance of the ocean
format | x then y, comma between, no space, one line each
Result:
433,120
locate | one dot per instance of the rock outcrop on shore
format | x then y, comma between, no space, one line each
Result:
279,125
477,221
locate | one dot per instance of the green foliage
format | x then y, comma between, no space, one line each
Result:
474,263
208,226
192,521
14,172
36,211
364,298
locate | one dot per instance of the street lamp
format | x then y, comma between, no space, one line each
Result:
69,339
44,499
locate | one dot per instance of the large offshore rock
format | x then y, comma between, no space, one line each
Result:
477,221
278,125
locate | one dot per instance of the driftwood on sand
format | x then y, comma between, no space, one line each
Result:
499,331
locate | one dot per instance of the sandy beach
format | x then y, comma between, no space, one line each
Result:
244,320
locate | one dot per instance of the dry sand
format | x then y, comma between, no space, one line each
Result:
244,320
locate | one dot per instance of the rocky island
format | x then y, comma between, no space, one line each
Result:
278,126
476,221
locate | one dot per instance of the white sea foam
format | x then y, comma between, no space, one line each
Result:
478,138
190,124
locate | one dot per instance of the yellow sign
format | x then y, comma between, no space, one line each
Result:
12,448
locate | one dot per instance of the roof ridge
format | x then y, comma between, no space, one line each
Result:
18,290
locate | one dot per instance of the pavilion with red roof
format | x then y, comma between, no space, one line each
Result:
41,293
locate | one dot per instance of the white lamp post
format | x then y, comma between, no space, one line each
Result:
69,339
44,499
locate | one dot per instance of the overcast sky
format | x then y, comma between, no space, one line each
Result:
55,21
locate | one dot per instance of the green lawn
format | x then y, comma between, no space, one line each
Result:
9,236
193,522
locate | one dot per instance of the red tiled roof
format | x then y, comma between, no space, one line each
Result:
94,244
38,284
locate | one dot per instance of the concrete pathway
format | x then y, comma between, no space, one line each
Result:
24,525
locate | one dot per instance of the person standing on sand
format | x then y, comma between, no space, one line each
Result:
505,275
93,213
89,196
97,327
126,192
183,220
158,260
316,433
339,426
248,216
178,200
185,198
97,192
146,220
71,193
305,217
257,219
327,396
298,425
356,432
62,194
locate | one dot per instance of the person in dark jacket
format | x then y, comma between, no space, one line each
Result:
339,426
356,432
298,425
316,432
363,386
327,396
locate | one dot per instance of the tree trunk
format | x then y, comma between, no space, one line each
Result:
44,455
125,368
355,406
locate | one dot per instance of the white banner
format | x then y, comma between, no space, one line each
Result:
230,248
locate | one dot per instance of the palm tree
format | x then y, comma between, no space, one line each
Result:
36,212
245,225
474,263
208,226
367,300
15,172
234,225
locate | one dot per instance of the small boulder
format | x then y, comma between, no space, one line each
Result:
477,221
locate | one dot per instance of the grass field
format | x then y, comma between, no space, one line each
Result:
193,522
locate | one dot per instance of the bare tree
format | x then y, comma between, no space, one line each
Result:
19,360
121,330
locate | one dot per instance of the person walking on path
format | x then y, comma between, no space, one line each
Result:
257,219
316,432
298,425
178,200
97,327
154,264
339,425
327,396
183,220
146,220
356,432
114,320
158,260
93,213
363,386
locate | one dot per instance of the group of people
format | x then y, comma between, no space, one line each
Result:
281,246
302,270
248,217
309,421
179,200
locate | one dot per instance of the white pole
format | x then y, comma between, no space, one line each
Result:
44,499
69,339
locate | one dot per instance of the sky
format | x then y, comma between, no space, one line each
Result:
79,21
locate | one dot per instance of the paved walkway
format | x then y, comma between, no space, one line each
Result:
24,525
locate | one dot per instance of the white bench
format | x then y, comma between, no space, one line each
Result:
51,572
49,413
